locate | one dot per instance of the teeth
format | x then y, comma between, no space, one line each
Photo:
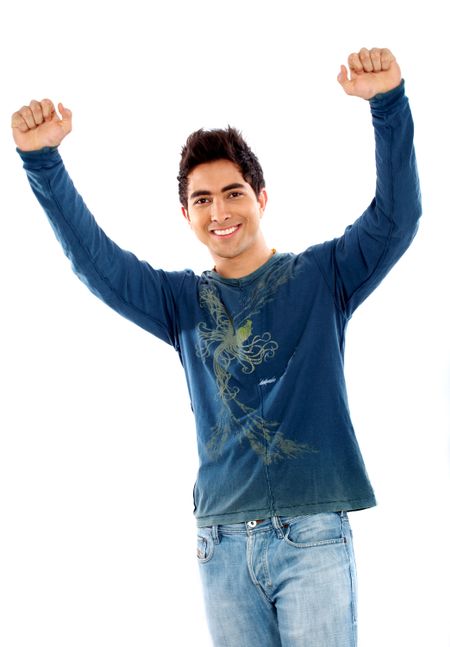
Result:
224,232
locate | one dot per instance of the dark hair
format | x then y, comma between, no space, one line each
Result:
211,145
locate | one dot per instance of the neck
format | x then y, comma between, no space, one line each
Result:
237,267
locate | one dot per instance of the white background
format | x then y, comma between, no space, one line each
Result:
98,453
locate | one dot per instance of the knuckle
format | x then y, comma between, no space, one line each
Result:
36,110
47,107
17,121
386,58
354,60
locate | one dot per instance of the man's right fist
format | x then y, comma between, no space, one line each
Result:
39,125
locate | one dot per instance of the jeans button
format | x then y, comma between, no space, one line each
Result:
251,524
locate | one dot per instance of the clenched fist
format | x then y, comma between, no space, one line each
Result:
371,72
38,125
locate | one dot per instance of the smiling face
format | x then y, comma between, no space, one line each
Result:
224,213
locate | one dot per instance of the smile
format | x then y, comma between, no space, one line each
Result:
225,232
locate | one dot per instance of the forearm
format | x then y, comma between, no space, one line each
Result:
131,287
397,190
355,263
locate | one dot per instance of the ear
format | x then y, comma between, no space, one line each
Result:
185,213
262,201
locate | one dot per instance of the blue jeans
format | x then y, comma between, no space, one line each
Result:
281,582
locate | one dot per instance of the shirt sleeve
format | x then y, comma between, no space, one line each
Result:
131,287
354,264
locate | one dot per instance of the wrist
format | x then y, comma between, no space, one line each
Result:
389,102
386,97
42,158
35,151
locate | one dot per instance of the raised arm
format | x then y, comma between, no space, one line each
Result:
355,263
131,287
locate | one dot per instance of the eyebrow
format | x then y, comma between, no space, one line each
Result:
235,185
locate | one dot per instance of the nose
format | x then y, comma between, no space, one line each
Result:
219,212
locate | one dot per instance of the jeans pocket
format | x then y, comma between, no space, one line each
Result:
308,531
205,545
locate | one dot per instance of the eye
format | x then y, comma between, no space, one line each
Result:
201,201
235,194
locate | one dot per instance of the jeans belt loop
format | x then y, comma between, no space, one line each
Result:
276,523
215,534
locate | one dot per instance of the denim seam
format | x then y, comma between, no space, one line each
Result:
317,544
353,593
209,545
250,545
244,531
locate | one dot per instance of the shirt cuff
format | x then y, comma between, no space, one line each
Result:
40,159
385,101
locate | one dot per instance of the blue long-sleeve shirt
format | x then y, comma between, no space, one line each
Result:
263,354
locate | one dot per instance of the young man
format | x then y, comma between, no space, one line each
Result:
261,339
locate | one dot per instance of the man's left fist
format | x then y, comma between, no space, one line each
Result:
371,72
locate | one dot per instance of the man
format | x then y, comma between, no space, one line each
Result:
261,339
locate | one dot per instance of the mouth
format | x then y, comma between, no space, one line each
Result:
225,233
